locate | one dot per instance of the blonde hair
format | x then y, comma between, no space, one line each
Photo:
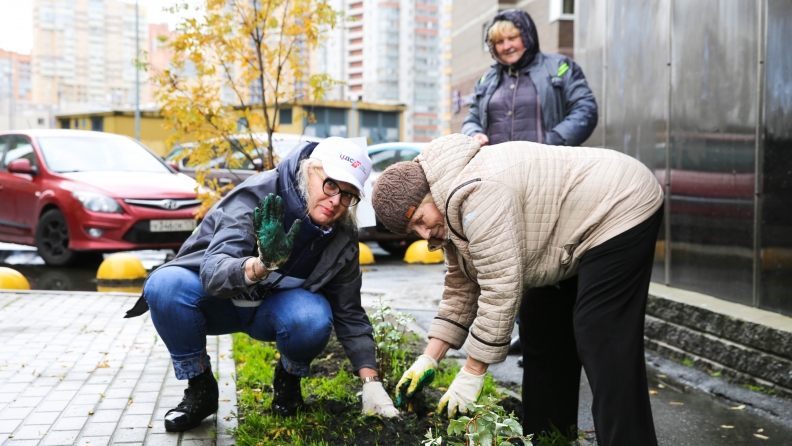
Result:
428,199
501,28
349,217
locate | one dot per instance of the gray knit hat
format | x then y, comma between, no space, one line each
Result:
397,194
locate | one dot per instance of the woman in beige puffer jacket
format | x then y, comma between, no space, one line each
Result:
579,223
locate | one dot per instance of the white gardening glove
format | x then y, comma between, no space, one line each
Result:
466,388
418,376
377,402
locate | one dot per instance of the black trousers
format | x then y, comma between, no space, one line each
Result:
595,319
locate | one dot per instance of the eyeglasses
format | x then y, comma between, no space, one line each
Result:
331,189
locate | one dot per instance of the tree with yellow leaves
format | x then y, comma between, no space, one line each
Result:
232,70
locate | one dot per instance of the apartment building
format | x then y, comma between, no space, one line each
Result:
84,54
16,94
393,52
554,21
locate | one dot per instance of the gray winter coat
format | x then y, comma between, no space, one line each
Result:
569,110
225,240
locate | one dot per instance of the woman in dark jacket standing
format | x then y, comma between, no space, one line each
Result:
532,96
529,95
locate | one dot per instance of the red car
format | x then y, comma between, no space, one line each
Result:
71,191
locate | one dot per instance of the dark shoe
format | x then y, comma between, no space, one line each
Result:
288,396
519,362
200,401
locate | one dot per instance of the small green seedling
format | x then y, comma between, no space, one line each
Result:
485,425
390,337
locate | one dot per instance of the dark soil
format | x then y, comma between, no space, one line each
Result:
410,430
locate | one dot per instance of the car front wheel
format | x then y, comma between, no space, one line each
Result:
52,239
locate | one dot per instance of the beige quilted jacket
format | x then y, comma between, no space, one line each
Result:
520,215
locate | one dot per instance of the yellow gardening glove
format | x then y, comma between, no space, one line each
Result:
415,378
466,388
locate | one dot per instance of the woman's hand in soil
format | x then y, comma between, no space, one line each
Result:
377,402
273,244
466,388
418,376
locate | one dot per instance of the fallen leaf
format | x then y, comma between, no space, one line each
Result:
11,436
763,437
90,412
654,392
225,400
103,365
676,403
150,425
660,386
726,426
130,402
102,395
740,407
661,376
222,356
760,430
228,418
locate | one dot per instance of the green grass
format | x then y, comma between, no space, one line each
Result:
688,362
255,366
761,389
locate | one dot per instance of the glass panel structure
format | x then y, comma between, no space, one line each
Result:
699,92
776,221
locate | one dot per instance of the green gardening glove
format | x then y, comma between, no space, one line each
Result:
415,378
273,245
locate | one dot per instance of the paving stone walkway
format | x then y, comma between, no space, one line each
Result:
74,371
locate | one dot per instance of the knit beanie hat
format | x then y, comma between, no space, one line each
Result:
398,192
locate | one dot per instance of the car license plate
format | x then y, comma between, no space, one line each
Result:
172,225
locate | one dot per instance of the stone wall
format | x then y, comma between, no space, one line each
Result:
742,350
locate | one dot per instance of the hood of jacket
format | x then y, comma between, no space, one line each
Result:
293,201
442,161
522,20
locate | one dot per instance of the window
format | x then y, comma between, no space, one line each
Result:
97,124
19,148
408,154
381,160
3,140
64,123
562,10
285,116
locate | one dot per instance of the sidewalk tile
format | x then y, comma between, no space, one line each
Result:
93,441
144,397
30,401
119,392
52,406
91,398
202,431
8,397
198,442
69,385
31,432
89,389
59,438
70,423
36,391
141,409
8,426
113,403
177,390
14,387
61,395
99,429
78,410
162,439
15,413
225,440
130,435
149,387
130,420
16,442
42,418
105,415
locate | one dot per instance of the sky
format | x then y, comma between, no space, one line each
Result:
16,21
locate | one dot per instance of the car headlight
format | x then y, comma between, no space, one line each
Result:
97,202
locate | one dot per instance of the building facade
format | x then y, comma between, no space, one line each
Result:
706,105
84,53
554,21
393,52
16,94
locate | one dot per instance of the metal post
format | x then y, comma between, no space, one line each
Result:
759,151
667,210
137,74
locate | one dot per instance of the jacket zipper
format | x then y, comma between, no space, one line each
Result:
514,99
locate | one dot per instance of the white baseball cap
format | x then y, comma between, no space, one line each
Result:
343,160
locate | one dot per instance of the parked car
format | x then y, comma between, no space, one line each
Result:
282,143
71,191
382,156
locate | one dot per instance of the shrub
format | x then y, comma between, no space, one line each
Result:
485,425
390,337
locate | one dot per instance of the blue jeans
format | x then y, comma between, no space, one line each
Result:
298,321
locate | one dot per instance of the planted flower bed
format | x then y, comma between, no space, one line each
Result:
332,412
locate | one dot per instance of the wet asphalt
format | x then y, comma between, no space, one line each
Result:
690,407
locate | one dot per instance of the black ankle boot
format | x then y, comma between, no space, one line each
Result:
200,401
288,396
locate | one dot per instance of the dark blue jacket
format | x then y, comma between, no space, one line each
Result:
569,110
224,240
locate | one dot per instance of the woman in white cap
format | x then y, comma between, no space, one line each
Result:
277,258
